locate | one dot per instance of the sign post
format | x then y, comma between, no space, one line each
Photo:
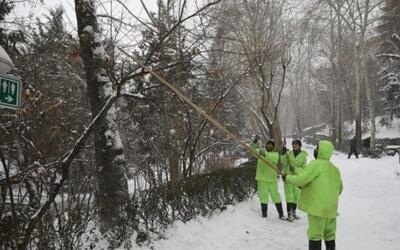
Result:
10,92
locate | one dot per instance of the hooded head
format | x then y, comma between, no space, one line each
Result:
324,150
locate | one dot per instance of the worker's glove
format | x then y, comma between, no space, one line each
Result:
284,177
284,150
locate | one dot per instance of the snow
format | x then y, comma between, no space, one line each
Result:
396,56
211,132
368,220
99,49
147,78
102,78
240,161
97,38
325,131
113,139
131,186
58,179
93,239
99,52
112,114
88,29
381,131
385,132
107,87
141,96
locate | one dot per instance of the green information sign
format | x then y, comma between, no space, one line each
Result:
10,92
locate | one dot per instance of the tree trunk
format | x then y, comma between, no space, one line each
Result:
332,104
252,120
365,73
173,159
358,132
309,88
30,185
112,190
271,119
370,99
371,115
276,134
339,84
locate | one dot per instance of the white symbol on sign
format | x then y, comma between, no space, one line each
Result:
4,86
13,87
9,99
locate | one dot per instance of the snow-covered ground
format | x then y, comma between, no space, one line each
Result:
385,132
369,216
381,131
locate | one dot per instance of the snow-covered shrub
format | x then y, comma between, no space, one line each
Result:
151,211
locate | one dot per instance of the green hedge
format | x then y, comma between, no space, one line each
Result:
151,211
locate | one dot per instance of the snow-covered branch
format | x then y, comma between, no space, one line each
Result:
393,56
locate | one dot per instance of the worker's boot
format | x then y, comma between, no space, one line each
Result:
294,207
264,209
330,245
289,209
280,210
314,245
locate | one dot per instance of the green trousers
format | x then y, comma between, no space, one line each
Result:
321,228
292,193
267,189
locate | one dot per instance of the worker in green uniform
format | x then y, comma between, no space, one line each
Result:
321,184
293,161
267,178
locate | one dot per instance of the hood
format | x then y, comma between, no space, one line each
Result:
325,150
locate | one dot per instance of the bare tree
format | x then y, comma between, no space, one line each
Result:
356,15
260,42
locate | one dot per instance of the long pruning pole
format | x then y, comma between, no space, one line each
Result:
203,113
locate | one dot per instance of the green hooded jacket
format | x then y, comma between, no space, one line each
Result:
320,184
264,172
297,162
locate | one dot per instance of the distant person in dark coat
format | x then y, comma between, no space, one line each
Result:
353,147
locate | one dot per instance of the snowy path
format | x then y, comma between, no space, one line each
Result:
369,216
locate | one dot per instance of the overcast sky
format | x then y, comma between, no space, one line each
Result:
30,12
27,13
